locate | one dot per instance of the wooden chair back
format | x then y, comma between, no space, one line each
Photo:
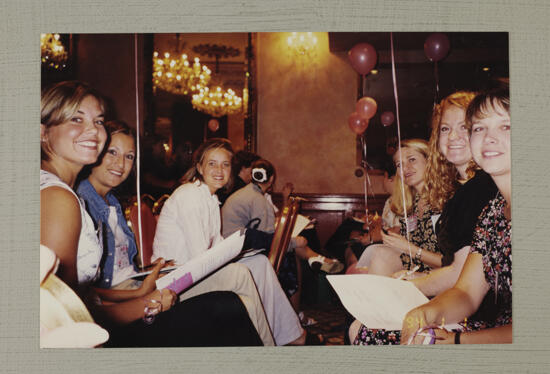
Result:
283,233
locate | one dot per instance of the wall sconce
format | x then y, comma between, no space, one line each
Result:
302,43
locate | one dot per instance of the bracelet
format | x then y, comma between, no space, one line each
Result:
152,308
457,337
418,255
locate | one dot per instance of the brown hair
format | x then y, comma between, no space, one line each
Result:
421,146
264,165
198,157
441,175
60,102
111,128
485,102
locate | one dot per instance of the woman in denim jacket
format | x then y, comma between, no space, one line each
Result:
119,243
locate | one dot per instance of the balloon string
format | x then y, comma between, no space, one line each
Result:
399,143
436,77
364,164
138,190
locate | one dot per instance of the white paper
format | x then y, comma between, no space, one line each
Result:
378,302
301,223
199,267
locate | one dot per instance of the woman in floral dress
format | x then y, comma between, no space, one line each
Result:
488,266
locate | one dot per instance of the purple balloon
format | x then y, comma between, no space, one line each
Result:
362,58
436,46
387,118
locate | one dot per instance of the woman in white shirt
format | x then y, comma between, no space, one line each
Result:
190,224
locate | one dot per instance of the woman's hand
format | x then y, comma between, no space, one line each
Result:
403,274
166,297
149,283
287,190
413,321
443,336
397,241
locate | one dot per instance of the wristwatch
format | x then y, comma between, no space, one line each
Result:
418,255
457,337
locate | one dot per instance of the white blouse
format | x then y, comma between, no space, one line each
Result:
189,223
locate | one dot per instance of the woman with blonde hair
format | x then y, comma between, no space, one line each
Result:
409,198
190,224
488,266
72,135
464,195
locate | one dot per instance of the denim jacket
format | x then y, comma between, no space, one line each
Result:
99,211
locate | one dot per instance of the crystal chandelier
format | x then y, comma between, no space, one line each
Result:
303,43
217,102
177,75
52,51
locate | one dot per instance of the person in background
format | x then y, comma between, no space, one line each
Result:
249,208
241,168
370,233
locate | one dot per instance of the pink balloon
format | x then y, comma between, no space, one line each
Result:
213,125
436,46
387,118
357,124
362,58
366,107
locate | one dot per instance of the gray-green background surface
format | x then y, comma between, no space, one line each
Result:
22,21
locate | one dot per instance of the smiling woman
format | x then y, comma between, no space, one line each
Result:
71,135
104,208
118,158
190,224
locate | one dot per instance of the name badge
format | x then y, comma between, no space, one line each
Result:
412,223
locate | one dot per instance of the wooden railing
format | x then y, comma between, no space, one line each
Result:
330,210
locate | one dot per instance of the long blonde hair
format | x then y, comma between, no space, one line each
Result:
421,146
441,175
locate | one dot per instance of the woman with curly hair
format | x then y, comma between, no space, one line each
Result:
457,186
410,196
488,266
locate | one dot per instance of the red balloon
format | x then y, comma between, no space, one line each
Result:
387,118
362,58
357,124
213,125
436,46
366,107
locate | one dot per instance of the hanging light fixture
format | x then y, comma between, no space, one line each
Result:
217,102
177,75
52,51
302,43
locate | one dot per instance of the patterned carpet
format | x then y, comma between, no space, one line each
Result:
331,321
320,302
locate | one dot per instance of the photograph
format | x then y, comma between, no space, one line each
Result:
239,189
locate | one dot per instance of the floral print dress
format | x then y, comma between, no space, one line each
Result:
421,234
492,239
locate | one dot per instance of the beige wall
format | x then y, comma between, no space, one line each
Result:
303,106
